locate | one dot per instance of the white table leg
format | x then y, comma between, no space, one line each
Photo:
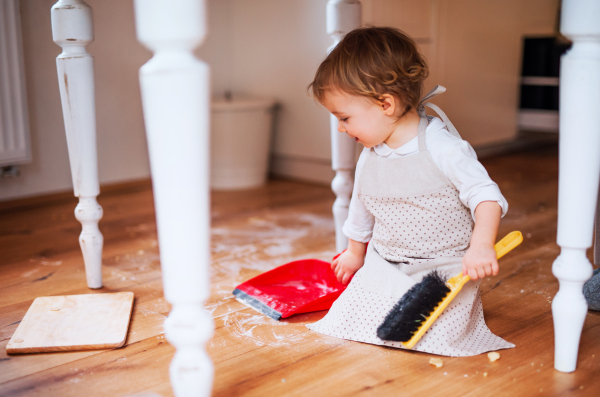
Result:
342,17
72,29
176,101
579,162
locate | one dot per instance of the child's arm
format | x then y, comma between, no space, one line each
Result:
349,261
480,259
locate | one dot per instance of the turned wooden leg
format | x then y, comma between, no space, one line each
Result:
72,30
342,17
176,102
343,164
579,162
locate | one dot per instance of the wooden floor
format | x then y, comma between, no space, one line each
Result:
254,231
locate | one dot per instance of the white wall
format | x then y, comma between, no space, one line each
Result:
473,48
122,150
479,53
216,50
277,47
272,48
121,140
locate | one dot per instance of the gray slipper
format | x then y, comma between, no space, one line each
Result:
591,291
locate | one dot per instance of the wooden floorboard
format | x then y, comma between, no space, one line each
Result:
254,231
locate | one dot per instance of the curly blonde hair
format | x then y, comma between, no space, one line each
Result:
371,62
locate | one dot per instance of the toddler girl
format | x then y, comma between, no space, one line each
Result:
417,192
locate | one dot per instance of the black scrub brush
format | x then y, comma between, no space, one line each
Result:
422,304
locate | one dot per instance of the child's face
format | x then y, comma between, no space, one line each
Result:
363,119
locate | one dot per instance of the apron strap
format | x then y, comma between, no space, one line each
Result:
421,134
421,110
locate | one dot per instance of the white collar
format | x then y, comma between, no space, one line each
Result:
411,146
383,150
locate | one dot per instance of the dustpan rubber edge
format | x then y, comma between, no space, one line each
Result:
255,304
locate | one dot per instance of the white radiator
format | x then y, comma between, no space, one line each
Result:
14,125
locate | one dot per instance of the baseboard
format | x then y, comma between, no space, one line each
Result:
61,197
526,140
302,168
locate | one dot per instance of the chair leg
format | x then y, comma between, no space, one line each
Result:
569,306
342,17
176,101
72,29
579,174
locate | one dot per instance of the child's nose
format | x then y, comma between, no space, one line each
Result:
341,127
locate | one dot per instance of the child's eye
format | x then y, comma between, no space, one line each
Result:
344,119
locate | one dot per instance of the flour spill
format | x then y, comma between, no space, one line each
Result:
262,330
147,312
40,261
266,242
45,262
30,273
141,228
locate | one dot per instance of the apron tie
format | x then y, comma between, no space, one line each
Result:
421,109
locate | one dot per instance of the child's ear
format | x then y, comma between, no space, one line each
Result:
388,104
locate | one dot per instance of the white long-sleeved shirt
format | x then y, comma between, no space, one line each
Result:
453,156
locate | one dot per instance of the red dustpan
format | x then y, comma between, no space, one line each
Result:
303,286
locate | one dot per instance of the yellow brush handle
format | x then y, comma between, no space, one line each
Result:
456,283
509,242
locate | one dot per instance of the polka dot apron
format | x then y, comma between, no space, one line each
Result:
420,225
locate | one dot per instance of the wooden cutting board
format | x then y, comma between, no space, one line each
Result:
73,322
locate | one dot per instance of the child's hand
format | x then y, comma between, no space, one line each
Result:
480,261
346,265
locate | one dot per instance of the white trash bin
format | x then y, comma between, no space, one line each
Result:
240,140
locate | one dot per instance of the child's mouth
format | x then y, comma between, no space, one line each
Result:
356,139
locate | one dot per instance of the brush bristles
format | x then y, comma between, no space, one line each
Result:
414,308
